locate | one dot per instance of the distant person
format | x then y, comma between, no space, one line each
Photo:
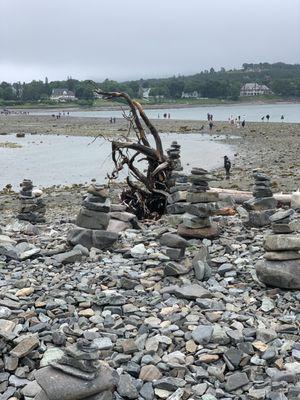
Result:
282,118
243,123
111,120
158,116
169,115
165,115
208,116
202,127
210,125
268,117
211,117
239,118
262,118
114,119
227,166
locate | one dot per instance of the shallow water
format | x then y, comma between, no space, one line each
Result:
53,160
249,112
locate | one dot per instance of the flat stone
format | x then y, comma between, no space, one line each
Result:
51,354
173,240
282,255
6,328
100,239
193,291
103,343
282,242
259,219
68,257
126,388
282,228
174,269
199,233
235,381
25,346
202,209
176,208
57,385
192,221
97,206
266,203
149,373
202,334
147,391
90,219
117,226
281,214
282,274
31,389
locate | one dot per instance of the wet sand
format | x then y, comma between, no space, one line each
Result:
273,147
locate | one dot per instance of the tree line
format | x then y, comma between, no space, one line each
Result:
283,79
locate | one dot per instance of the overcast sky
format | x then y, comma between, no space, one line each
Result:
133,39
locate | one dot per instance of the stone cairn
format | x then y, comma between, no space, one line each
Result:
196,221
93,219
262,206
78,374
178,185
281,267
174,154
32,207
94,213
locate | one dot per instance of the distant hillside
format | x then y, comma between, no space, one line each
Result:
282,79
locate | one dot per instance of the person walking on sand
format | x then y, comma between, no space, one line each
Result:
282,118
268,117
243,123
262,118
210,125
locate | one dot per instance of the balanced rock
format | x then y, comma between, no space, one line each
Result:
282,274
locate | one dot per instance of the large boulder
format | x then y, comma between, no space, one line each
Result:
281,274
88,238
60,386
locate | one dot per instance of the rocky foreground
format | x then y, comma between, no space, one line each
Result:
161,333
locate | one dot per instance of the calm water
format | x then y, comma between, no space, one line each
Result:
52,160
250,112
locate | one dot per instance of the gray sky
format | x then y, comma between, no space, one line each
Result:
133,39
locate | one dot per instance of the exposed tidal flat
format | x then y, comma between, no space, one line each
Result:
273,147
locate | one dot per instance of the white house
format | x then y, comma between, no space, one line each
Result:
254,89
62,95
144,93
190,95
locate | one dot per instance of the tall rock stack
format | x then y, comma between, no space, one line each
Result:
32,207
78,374
262,206
174,154
281,267
93,220
196,221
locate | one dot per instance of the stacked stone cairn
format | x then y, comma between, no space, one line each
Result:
32,207
174,154
93,220
77,375
196,221
262,206
281,267
178,185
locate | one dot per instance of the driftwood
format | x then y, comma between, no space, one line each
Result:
147,195
240,196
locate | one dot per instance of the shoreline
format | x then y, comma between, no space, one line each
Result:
271,146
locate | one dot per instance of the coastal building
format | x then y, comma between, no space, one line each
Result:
254,89
62,95
144,93
190,95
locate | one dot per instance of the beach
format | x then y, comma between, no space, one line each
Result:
273,147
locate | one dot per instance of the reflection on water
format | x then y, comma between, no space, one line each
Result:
52,160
